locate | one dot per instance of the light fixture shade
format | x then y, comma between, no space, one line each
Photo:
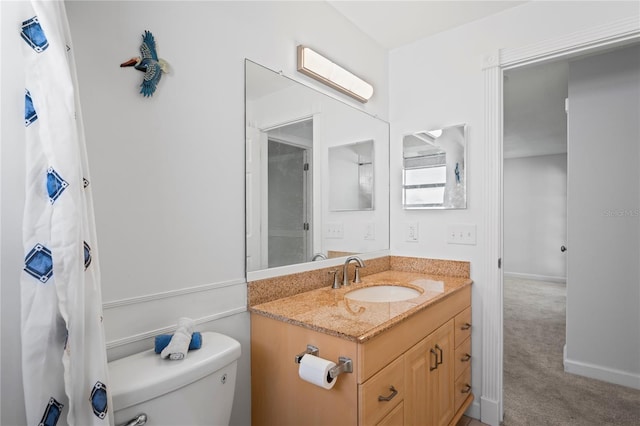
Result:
316,66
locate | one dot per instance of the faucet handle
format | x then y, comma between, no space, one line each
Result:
356,277
336,282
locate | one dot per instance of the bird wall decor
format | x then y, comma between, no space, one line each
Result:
148,63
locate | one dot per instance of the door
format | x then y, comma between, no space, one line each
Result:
416,372
429,379
442,379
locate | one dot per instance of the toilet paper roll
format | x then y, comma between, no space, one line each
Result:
316,370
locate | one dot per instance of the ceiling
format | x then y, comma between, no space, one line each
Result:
534,117
535,121
393,23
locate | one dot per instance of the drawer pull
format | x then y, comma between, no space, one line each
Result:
439,350
394,392
434,353
465,326
466,389
465,358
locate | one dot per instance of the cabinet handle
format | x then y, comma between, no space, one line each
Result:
466,389
465,326
439,350
433,352
394,392
465,358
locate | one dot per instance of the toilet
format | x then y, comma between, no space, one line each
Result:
197,390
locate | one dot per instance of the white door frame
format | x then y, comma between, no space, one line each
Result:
614,34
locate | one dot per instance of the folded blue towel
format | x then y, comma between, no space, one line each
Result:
163,340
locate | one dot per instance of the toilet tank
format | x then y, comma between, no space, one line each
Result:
197,390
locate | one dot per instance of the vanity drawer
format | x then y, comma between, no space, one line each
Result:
463,326
462,357
462,388
371,408
395,417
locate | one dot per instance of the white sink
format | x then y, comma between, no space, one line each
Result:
383,293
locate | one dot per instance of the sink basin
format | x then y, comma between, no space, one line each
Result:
383,293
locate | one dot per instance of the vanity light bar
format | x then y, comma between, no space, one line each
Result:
322,69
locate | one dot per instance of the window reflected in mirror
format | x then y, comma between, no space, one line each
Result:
433,174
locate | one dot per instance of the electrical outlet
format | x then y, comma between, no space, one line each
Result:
461,233
370,231
334,230
411,232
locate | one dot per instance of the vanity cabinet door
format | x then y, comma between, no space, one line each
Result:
429,379
416,384
442,378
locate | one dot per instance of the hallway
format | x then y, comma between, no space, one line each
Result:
537,391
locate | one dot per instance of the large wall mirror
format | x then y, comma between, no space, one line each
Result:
317,174
434,164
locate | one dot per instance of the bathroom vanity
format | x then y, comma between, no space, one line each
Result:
411,358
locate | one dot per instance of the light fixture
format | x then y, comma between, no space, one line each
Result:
316,66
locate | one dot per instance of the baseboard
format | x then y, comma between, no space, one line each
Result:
535,277
598,372
474,410
490,412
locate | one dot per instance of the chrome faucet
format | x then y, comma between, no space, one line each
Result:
356,278
318,256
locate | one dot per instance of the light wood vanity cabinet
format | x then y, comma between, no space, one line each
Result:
407,375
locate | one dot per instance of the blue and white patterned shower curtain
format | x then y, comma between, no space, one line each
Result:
64,361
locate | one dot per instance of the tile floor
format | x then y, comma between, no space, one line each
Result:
468,421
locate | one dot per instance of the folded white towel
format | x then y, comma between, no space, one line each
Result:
179,344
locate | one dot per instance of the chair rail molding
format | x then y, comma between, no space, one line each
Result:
158,313
613,34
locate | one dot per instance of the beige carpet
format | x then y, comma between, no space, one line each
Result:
537,391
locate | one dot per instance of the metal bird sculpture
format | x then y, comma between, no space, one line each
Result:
149,64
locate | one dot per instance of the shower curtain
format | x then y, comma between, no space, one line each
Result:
64,362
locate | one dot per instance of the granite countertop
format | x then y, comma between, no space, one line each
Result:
328,311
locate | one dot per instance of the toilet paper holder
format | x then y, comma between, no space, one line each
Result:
345,365
311,350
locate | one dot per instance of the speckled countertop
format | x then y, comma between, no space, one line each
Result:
328,310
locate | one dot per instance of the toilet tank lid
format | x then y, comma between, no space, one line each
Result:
145,375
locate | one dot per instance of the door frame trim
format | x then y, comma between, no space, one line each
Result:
597,38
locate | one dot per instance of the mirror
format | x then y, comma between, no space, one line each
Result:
434,163
310,173
351,176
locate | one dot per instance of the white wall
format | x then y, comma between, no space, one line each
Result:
167,172
535,216
438,81
603,290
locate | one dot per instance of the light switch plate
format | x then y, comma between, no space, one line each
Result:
461,233
334,230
